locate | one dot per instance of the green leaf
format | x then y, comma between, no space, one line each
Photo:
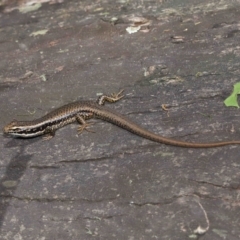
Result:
231,101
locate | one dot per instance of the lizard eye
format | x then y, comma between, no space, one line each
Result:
12,127
14,122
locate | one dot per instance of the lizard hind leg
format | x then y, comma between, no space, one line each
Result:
84,125
114,97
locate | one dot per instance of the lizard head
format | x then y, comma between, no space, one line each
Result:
20,129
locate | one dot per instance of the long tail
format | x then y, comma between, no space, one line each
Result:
123,122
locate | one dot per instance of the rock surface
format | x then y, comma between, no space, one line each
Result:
181,56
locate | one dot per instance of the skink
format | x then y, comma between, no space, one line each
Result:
84,110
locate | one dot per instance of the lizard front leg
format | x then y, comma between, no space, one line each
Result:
49,133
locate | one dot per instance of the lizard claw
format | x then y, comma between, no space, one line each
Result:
117,96
85,127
